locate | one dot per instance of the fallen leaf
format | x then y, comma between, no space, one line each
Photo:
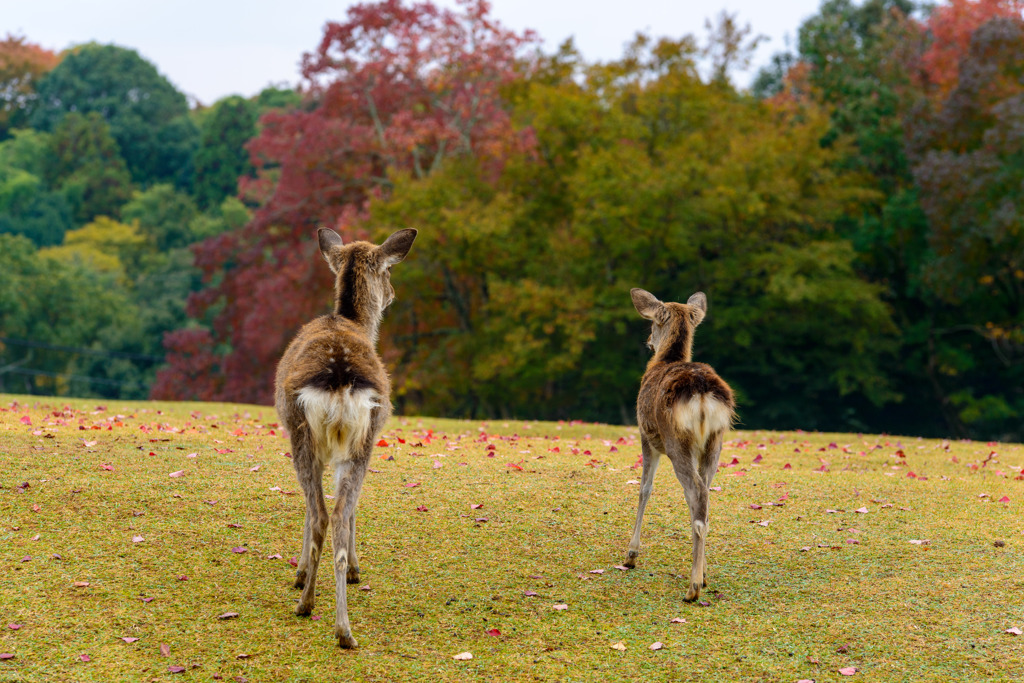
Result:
275,556
476,506
412,485
382,443
165,649
1014,631
293,561
916,541
494,632
422,508
175,669
137,539
530,594
848,671
1004,499
26,420
240,549
254,468
85,658
365,587
620,646
175,475
227,615
6,655
129,639
463,656
755,506
656,646
81,584
677,620
764,522
597,571
622,568
242,656
146,599
862,511
560,607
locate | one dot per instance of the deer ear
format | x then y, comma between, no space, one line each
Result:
329,240
648,305
698,304
395,248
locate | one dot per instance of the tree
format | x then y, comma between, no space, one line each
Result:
147,116
394,88
222,158
163,214
22,64
85,164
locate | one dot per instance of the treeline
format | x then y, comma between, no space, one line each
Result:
107,177
855,219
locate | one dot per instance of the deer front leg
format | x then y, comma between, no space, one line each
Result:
352,576
350,480
650,462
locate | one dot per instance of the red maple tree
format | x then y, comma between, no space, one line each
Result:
396,87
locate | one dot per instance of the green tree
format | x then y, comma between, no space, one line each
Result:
222,158
163,215
147,115
84,163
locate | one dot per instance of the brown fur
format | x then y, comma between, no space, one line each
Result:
333,395
683,410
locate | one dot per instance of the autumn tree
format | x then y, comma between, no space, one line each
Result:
22,65
395,88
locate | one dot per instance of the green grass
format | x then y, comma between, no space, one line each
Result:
440,580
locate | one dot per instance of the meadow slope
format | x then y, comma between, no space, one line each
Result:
899,558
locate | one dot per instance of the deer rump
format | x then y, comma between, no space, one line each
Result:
339,421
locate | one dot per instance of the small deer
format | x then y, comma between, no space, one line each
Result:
333,395
683,410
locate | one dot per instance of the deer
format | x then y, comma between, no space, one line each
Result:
683,410
333,395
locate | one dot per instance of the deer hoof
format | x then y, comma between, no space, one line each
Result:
303,610
630,559
693,593
346,641
352,575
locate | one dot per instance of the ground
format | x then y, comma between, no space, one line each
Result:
131,532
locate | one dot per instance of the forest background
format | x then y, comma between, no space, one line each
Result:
855,217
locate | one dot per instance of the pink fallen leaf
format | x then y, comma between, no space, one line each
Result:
275,556
475,506
89,444
560,607
848,670
129,639
1014,631
254,468
85,657
6,655
239,549
146,599
437,464
242,656
620,646
26,420
174,669
530,594
862,511
412,485
1004,499
657,645
81,584
622,568
755,506
805,548
14,627
137,539
597,571
764,522
677,620
175,475
916,541
494,632
715,488
293,561
463,656
165,649
422,508
227,615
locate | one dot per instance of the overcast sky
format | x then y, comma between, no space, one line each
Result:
213,48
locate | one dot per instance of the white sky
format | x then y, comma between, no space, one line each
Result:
213,48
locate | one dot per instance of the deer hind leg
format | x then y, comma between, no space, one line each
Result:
696,492
317,513
708,468
307,540
651,458
349,475
352,576
309,472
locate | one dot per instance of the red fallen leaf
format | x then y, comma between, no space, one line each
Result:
911,475
514,466
223,451
787,466
108,468
401,440
129,639
293,562
234,526
784,496
182,577
422,508
26,420
382,443
1004,499
494,632
175,475
36,508
165,649
14,627
6,655
613,449
85,657
175,669
239,549
412,485
758,458
475,506
848,671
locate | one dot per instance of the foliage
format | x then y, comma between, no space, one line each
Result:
147,116
164,216
22,64
84,162
221,158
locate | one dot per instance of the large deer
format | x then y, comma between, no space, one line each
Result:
683,410
334,396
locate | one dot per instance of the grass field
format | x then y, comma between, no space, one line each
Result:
148,521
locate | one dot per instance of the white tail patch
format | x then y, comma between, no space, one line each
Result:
702,415
339,421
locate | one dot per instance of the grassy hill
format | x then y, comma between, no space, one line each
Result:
898,557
